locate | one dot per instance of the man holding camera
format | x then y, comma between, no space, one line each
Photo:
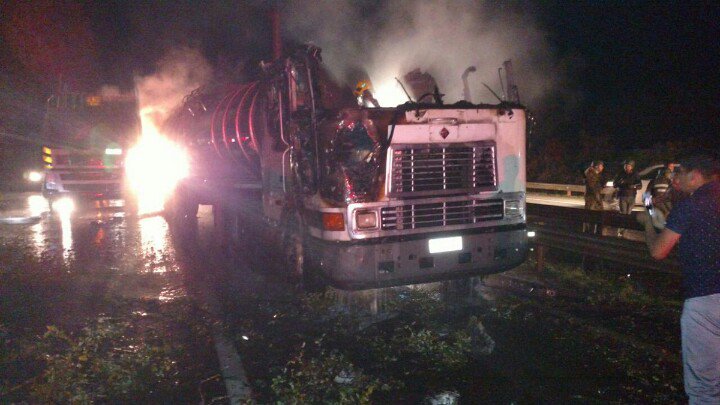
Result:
694,225
662,190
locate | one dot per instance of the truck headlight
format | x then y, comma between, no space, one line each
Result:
34,176
365,220
64,206
514,209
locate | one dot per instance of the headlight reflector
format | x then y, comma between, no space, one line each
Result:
514,209
366,220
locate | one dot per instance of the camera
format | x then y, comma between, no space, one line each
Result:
647,202
657,217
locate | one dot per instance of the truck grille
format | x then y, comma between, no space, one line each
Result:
93,188
419,170
91,175
426,215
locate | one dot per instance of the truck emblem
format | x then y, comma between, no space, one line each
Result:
444,133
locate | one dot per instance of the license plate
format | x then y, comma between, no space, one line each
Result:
441,245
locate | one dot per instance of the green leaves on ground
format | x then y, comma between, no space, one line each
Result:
102,363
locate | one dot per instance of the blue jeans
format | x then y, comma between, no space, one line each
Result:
700,329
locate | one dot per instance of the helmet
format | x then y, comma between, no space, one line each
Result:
361,86
597,163
629,162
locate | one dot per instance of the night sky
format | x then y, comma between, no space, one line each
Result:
635,72
646,70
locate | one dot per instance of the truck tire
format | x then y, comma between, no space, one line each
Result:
188,208
182,206
313,281
228,224
296,262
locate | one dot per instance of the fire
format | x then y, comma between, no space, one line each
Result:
154,166
389,93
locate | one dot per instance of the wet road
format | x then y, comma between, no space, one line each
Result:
97,236
101,276
133,248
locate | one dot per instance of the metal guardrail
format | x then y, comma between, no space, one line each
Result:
617,250
561,228
581,215
567,188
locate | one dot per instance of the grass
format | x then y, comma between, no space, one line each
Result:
599,339
314,351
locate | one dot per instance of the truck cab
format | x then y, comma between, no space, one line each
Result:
82,175
84,136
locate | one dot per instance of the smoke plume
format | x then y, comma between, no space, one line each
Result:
179,72
384,40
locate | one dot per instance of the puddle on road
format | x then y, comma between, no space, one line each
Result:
156,245
133,254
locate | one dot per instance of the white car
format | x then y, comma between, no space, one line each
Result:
609,193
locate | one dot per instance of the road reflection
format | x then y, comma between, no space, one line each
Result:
155,244
95,234
67,236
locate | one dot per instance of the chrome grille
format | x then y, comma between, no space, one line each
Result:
90,175
435,170
92,188
427,215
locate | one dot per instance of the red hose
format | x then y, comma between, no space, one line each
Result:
212,124
251,126
238,113
224,121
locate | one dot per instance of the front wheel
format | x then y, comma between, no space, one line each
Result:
297,262
182,206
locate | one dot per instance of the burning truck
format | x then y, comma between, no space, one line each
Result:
350,193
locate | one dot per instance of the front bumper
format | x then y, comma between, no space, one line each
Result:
385,262
101,194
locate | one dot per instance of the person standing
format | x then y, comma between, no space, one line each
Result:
694,224
661,189
628,183
594,185
594,182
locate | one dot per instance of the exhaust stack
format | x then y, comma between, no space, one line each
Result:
512,90
276,37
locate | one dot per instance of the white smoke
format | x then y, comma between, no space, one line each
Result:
179,72
442,38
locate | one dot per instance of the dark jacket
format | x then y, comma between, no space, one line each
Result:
593,187
627,184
